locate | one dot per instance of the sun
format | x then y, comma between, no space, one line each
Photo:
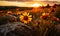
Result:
36,5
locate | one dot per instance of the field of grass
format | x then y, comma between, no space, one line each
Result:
29,21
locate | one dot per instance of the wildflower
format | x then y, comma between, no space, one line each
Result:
45,15
25,17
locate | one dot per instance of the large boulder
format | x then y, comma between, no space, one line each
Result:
15,29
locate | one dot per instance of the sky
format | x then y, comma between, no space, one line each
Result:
34,0
27,4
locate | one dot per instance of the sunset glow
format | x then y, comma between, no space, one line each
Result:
26,4
36,5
